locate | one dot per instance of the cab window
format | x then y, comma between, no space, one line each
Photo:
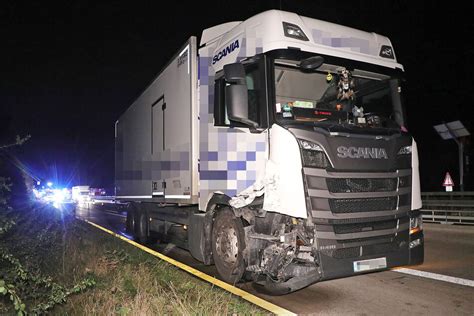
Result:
255,80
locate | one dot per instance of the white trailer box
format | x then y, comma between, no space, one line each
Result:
156,148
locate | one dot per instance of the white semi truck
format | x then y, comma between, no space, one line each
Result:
277,150
80,193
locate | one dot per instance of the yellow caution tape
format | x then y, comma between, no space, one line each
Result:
232,289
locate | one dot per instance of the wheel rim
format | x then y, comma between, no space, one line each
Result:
227,246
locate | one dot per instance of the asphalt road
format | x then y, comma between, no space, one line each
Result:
449,251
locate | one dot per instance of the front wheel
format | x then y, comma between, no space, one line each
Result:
228,244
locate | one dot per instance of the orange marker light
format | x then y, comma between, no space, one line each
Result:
414,230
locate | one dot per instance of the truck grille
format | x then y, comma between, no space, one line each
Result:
355,185
358,216
367,240
360,227
354,252
363,205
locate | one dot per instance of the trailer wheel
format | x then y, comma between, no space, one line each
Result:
228,243
141,227
130,223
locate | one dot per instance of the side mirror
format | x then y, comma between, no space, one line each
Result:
236,94
311,63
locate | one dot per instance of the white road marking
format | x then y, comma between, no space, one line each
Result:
435,276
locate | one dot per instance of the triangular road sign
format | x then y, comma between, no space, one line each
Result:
448,182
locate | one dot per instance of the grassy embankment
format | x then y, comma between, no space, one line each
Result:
50,261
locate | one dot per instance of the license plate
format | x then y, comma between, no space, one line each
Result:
370,264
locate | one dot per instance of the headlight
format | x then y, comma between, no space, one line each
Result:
416,224
405,150
313,155
294,31
310,146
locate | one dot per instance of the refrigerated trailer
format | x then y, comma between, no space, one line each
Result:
277,150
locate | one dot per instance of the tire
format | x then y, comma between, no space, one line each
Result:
141,227
130,223
228,244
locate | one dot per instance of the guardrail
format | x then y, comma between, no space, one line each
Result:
448,207
103,199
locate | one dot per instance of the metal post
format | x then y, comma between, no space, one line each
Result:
461,158
461,165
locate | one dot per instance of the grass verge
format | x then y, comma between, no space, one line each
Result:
91,272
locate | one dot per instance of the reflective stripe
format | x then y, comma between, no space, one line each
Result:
134,196
177,196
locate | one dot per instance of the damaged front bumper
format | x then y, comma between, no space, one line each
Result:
304,275
287,263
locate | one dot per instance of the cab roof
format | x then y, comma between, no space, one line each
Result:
266,32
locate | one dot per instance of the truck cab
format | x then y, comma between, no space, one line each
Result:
339,185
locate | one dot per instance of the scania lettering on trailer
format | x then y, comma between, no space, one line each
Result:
227,50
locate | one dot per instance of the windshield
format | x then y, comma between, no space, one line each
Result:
337,95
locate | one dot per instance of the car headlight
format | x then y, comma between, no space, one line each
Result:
416,224
406,150
313,155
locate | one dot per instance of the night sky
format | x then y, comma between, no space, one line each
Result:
67,71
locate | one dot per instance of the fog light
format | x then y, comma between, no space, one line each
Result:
415,243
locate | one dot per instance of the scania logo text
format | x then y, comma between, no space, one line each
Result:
225,51
361,152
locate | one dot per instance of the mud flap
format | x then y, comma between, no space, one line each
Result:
196,237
